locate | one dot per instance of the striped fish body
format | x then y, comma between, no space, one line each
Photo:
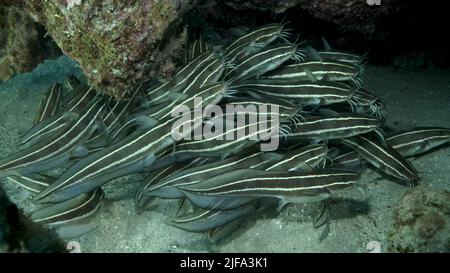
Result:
112,119
419,140
242,52
195,49
335,127
56,150
72,210
321,70
141,201
133,154
205,69
311,156
33,183
55,124
210,148
235,188
168,187
303,92
203,220
71,86
228,141
376,110
363,97
183,78
261,36
286,110
364,102
120,109
340,56
383,157
209,95
85,95
130,155
211,73
349,161
261,62
221,234
207,72
156,93
49,103
194,66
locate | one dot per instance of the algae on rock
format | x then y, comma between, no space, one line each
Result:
22,42
422,222
116,43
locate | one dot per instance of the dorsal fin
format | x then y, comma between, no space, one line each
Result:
313,55
326,45
310,75
326,112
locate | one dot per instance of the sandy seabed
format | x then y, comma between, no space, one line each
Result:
413,99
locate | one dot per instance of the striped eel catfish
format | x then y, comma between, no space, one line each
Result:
206,69
70,83
335,127
331,54
259,37
192,68
220,234
303,92
311,156
220,145
80,207
235,188
154,94
286,109
263,61
195,49
52,152
115,115
349,161
214,146
364,102
49,103
132,154
210,95
71,89
383,157
321,70
210,73
345,57
168,186
182,78
203,220
142,201
34,183
57,122
419,140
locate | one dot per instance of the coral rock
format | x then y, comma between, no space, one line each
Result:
422,222
18,233
22,45
116,42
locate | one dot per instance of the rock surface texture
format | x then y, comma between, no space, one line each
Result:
22,42
115,43
19,234
422,222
